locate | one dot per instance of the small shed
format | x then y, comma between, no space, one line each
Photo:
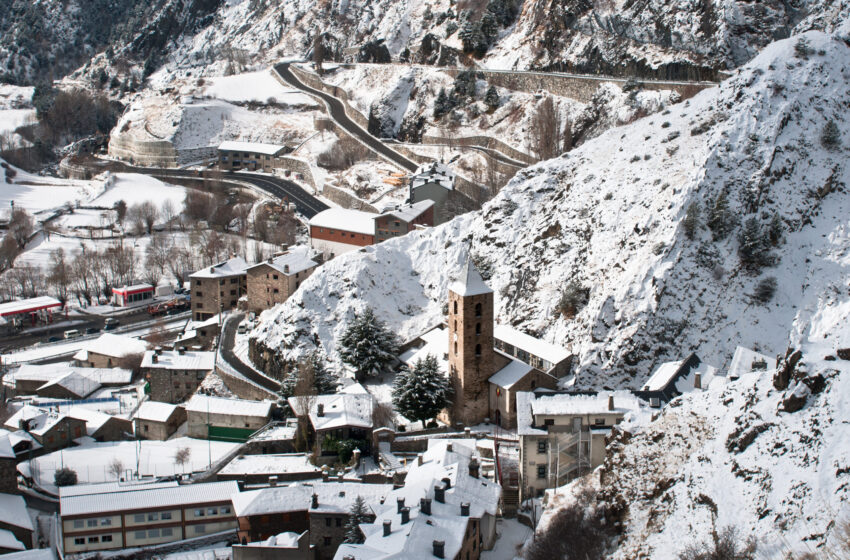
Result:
131,295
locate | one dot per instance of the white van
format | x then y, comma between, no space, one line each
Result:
73,333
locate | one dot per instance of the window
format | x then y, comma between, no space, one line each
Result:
477,328
199,513
200,305
79,540
188,385
78,524
478,310
549,422
327,541
477,349
200,529
106,538
541,446
139,518
233,280
327,521
165,516
455,348
140,534
233,292
153,534
276,291
541,471
91,523
455,310
225,509
199,294
599,422
212,511
167,532
94,539
106,521
275,276
153,517
146,427
339,521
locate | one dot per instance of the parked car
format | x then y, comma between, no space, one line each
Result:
72,333
92,330
111,323
54,339
242,328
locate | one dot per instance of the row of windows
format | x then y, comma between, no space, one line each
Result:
223,510
94,539
154,533
104,522
342,233
477,309
155,516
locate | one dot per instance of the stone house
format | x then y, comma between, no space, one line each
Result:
562,434
345,415
50,429
217,288
177,374
15,522
29,378
8,462
226,419
103,427
252,156
672,379
321,508
401,220
158,420
434,182
200,334
71,386
272,281
108,351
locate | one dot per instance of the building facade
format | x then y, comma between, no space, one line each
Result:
217,288
175,375
226,419
251,156
158,420
272,282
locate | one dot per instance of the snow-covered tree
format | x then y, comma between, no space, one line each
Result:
691,222
831,136
720,219
442,104
358,514
753,248
368,346
422,392
491,98
325,380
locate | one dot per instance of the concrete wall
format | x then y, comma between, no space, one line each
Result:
153,153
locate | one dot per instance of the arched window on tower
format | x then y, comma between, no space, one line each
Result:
477,349
477,309
455,311
477,328
455,329
455,347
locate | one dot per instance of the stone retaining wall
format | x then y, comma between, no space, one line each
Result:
148,153
314,81
346,199
73,171
297,165
483,142
242,388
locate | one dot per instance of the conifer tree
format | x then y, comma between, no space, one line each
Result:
491,98
468,34
422,392
441,104
358,514
720,219
691,222
831,136
326,381
368,346
752,248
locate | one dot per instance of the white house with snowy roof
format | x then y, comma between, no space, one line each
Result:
345,415
444,510
562,434
108,350
672,379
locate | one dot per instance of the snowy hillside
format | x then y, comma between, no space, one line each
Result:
609,216
744,455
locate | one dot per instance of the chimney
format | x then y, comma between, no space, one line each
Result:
270,260
320,409
697,380
611,402
405,515
464,509
154,358
181,350
273,480
315,502
447,483
388,528
449,446
440,494
356,457
325,476
425,506
419,460
399,504
467,431
286,269
474,468
158,350
212,270
439,549
340,477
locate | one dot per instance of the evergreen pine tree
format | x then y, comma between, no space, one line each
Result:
442,104
691,222
467,33
751,243
421,393
368,346
491,98
326,381
489,27
358,514
720,219
831,136
775,230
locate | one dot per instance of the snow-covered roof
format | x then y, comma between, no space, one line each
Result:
172,359
33,554
675,378
112,487
8,541
745,360
333,497
436,172
343,409
540,348
155,411
94,419
436,344
232,407
276,432
345,219
445,522
250,147
113,345
49,372
550,403
6,451
13,511
510,374
40,420
133,288
282,540
32,304
199,493
234,267
469,283
270,464
291,262
18,436
75,382
409,212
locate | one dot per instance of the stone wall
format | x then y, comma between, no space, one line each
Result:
346,199
243,388
8,476
153,153
71,170
314,81
483,142
297,165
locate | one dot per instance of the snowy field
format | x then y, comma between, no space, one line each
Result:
92,460
133,189
258,86
37,193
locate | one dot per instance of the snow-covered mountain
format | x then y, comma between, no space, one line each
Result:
610,218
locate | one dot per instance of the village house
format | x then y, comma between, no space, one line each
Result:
562,435
200,334
285,546
345,415
321,508
226,419
158,420
217,288
259,469
52,430
16,529
136,516
433,181
175,375
445,510
251,156
24,446
28,379
127,296
745,361
103,427
275,438
72,386
336,231
109,350
272,281
672,379
8,460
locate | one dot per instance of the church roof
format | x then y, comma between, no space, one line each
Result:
469,283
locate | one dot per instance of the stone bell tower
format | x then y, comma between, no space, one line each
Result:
470,345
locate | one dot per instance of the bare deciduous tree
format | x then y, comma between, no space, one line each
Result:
182,456
549,134
21,226
116,467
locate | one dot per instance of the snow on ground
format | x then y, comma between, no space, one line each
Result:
258,86
512,536
37,194
10,120
133,188
153,458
